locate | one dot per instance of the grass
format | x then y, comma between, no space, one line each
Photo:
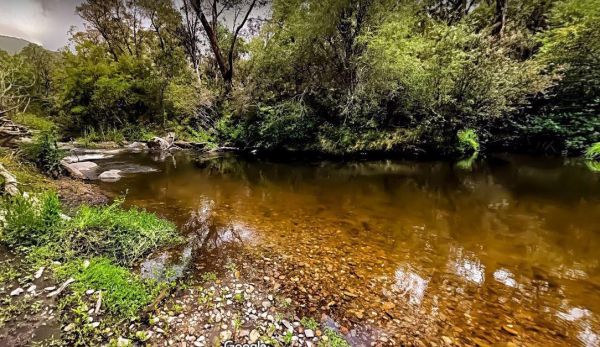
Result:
124,235
24,172
30,220
334,339
309,323
34,122
593,165
593,152
123,293
468,141
91,136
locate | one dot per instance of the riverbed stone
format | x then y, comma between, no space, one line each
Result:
17,292
254,336
110,176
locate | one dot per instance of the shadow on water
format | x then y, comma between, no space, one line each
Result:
505,239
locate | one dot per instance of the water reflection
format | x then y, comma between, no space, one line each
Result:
582,317
505,277
467,266
411,285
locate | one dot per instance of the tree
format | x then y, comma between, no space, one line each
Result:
117,23
241,10
189,33
16,80
499,18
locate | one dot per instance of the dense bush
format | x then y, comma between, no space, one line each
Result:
338,76
45,154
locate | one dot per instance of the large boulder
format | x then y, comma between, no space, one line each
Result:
80,170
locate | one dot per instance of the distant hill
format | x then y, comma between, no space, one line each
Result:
12,45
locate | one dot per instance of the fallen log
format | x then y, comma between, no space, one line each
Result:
10,182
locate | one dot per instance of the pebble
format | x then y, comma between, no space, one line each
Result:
309,333
254,336
225,335
39,272
17,292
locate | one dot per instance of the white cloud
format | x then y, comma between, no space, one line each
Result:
44,22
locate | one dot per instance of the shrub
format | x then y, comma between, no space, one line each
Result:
30,220
123,293
45,154
468,141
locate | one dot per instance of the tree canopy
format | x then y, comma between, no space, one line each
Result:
335,76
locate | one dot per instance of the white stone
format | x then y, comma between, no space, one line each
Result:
110,176
17,292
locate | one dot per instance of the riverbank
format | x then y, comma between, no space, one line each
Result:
41,306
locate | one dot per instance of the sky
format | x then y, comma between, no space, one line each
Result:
45,22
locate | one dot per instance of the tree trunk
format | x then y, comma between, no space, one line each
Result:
499,18
214,44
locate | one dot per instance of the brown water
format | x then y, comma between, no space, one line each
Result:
506,251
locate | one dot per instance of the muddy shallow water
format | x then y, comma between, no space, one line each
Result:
504,252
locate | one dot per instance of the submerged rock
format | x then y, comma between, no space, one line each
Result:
110,176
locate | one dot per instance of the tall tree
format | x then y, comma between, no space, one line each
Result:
241,10
189,33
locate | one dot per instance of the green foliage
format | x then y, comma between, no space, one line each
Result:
123,293
593,165
468,141
336,76
593,152
45,154
334,339
35,122
30,220
309,323
91,136
125,236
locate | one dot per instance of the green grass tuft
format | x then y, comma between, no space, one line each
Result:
593,152
123,293
45,154
30,220
468,141
34,122
124,235
334,339
309,323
